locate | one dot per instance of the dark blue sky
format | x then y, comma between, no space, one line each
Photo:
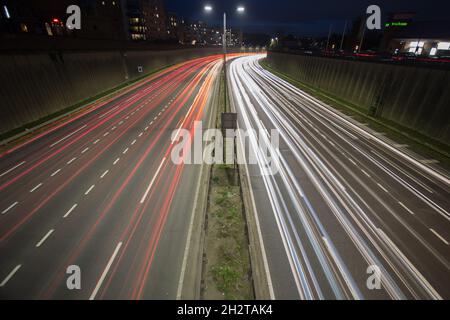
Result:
302,17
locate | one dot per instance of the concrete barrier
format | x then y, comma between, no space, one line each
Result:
416,97
33,86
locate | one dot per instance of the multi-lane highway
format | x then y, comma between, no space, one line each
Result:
99,192
343,199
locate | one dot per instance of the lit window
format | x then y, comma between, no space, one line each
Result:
443,46
433,51
416,44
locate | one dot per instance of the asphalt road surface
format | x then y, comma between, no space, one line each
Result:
100,192
342,199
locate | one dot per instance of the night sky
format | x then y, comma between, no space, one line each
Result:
301,17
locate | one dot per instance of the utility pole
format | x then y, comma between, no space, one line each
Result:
225,56
343,35
328,40
362,37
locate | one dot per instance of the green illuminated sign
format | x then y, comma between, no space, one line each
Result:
396,24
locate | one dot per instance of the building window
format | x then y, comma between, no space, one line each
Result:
443,46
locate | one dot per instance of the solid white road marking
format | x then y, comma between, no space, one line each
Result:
69,135
13,168
44,238
10,207
105,272
89,190
406,208
439,236
36,187
10,275
70,211
153,181
55,173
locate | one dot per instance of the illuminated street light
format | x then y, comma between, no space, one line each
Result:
240,10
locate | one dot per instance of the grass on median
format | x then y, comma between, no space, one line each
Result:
227,267
427,147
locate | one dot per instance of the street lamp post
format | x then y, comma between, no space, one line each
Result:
240,9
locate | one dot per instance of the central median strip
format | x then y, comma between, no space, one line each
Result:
226,272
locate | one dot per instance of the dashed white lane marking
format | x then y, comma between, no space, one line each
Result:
127,117
55,173
96,141
10,207
68,136
48,234
151,123
36,187
439,236
140,134
106,133
406,208
113,128
125,151
368,175
351,160
70,210
115,162
153,181
134,141
383,188
72,160
10,275
89,190
105,272
85,150
155,118
120,123
104,174
13,168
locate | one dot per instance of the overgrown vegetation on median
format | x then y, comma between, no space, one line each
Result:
417,142
227,268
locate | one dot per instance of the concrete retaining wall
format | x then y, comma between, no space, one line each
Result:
415,97
33,86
